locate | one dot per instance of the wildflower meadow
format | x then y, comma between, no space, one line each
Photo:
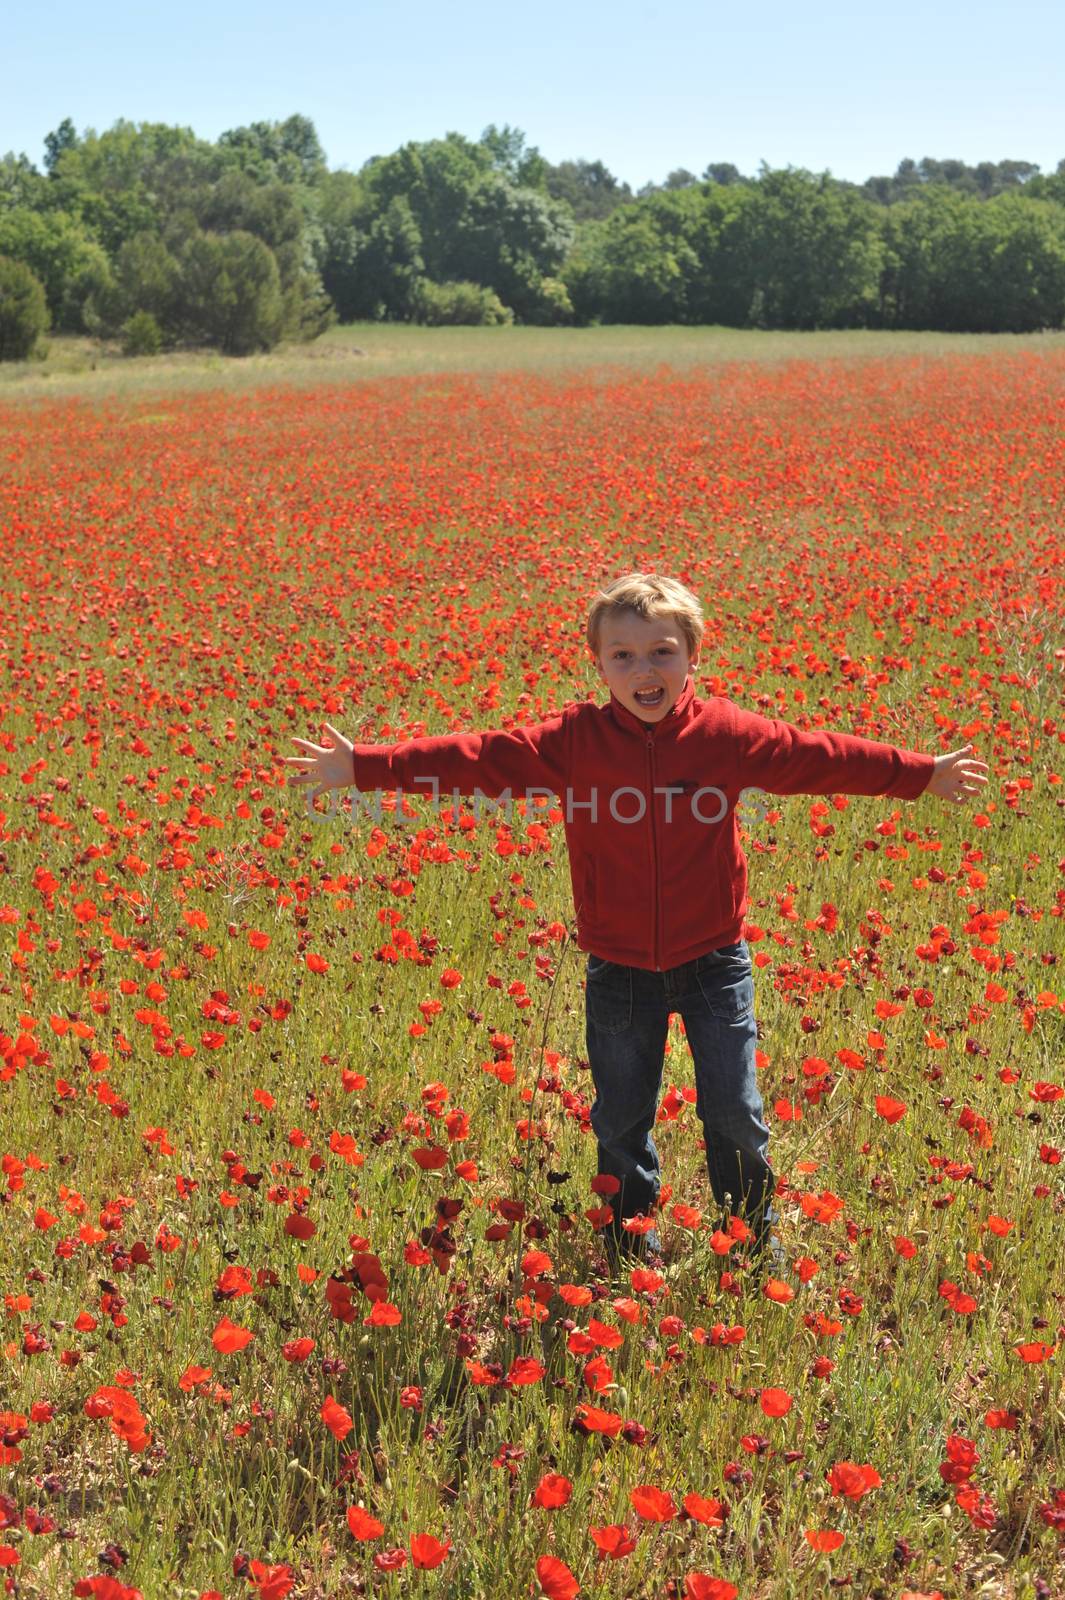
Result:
302,1293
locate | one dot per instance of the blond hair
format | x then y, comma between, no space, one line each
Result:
651,597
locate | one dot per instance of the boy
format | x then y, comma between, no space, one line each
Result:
650,783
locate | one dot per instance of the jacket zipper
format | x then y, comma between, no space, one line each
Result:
656,875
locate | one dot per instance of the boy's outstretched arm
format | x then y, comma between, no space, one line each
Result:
776,756
524,758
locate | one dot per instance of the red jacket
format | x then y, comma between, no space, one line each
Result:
671,883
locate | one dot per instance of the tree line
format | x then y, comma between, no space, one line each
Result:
148,234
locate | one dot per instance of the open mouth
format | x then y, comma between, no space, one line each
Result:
649,698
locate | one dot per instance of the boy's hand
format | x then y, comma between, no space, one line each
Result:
324,768
957,776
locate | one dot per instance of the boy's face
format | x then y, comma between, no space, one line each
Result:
644,662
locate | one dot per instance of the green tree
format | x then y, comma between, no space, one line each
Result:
231,293
65,137
23,310
109,181
236,203
511,239
437,181
589,189
287,152
146,278
624,270
392,265
464,218
1049,185
815,252
523,165
724,173
965,265
345,216
273,212
21,184
57,250
680,178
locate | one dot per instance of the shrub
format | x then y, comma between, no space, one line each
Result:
23,310
466,304
142,335
552,307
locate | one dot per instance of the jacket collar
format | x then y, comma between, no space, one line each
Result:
679,713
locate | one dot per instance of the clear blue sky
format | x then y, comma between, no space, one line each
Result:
646,88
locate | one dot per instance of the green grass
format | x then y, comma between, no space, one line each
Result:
85,367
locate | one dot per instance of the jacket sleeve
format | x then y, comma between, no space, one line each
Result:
782,759
515,760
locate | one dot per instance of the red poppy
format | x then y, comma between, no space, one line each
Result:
775,1402
846,1478
613,1540
363,1525
193,1375
824,1540
337,1419
300,1227
229,1337
606,1184
778,1291
654,1505
273,1583
711,1513
1035,1351
106,1588
297,1349
390,1560
430,1157
524,1369
701,1586
383,1315
552,1491
603,1335
427,1551
556,1580
592,1420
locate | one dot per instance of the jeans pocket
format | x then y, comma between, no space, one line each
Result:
727,986
608,995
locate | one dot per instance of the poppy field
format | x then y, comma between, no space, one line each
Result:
302,1293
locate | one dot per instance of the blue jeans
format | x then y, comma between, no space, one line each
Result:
628,1011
